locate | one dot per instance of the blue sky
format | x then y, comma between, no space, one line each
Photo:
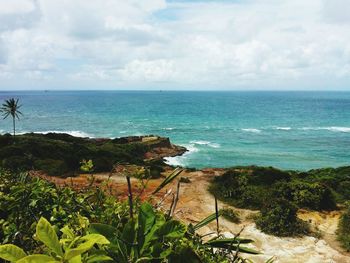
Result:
158,44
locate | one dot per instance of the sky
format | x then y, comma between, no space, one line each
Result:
175,44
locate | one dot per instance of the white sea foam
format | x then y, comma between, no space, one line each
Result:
339,129
210,144
181,160
332,128
73,133
283,128
168,128
252,130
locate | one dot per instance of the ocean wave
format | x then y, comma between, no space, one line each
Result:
332,128
181,160
252,130
210,144
283,128
168,128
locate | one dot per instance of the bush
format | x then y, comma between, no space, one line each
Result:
344,229
267,175
313,196
230,215
17,163
280,218
70,150
307,195
51,167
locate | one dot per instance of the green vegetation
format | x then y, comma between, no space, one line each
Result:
230,215
344,229
252,187
61,154
90,226
280,218
11,108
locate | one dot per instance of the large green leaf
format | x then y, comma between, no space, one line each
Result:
168,179
106,230
128,236
98,258
11,253
234,240
46,234
76,259
90,241
146,220
172,229
151,236
37,259
205,221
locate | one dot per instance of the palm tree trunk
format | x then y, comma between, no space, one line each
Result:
14,127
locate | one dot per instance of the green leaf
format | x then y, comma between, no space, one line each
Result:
46,234
234,240
91,240
144,259
205,221
172,229
147,245
168,179
68,232
76,259
129,236
37,259
106,230
146,220
11,253
98,258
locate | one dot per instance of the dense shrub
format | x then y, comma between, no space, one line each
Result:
251,187
230,215
17,163
280,218
344,229
314,196
69,150
266,175
52,167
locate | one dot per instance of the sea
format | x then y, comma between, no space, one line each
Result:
287,130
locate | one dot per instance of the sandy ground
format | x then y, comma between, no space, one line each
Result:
196,203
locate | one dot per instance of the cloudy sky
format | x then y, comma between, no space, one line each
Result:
175,44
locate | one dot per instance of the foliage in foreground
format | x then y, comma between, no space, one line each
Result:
344,229
95,227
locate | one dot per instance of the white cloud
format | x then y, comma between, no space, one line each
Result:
16,7
138,44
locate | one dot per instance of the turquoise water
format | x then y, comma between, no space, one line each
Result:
299,130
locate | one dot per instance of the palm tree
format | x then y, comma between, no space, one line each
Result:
11,107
